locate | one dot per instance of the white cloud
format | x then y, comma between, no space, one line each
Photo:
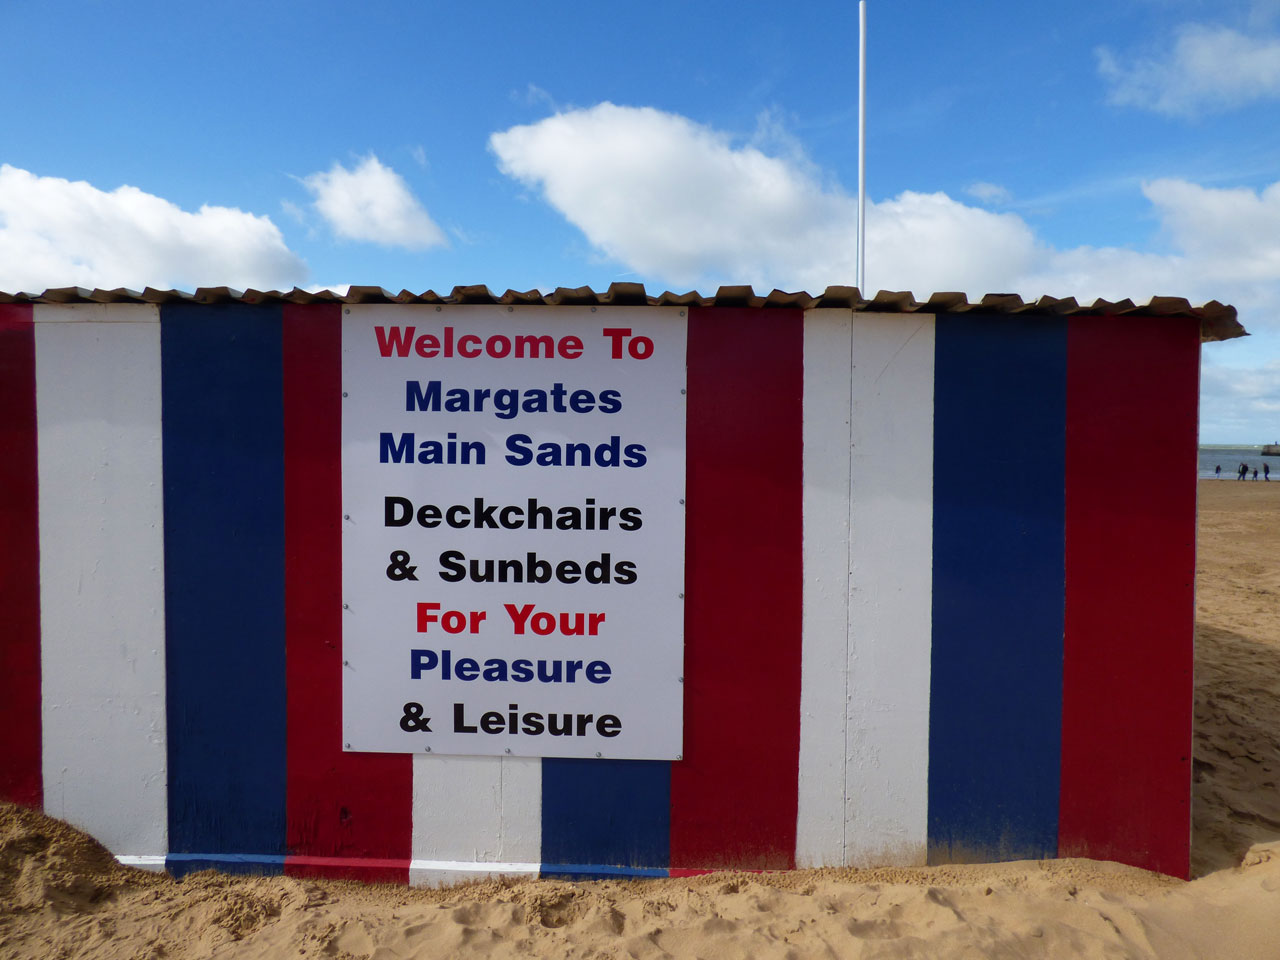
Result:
534,96
1239,403
659,192
293,211
679,202
1255,389
58,233
1233,232
685,206
988,192
372,203
930,242
1225,243
1208,68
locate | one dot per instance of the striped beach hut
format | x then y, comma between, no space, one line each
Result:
938,590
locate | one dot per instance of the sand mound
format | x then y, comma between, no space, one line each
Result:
62,894
46,863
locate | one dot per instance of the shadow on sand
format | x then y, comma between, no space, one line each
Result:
1235,802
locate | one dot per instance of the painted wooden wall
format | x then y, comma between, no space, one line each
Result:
939,603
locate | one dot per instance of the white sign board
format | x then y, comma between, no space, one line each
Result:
513,530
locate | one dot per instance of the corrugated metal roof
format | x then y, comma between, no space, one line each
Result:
1217,320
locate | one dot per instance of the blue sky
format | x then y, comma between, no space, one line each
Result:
1100,149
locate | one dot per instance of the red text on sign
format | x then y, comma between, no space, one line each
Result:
638,347
543,623
451,621
400,341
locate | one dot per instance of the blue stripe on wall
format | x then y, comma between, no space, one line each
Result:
224,584
604,813
180,864
594,871
998,588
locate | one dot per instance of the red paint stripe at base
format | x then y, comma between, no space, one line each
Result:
1132,391
734,794
341,807
366,870
20,761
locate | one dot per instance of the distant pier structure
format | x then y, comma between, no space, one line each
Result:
1271,450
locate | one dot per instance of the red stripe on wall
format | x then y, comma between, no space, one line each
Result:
733,795
349,814
1132,397
20,774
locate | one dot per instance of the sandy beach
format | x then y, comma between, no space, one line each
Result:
63,895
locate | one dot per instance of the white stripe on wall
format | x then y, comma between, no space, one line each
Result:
475,817
891,589
820,822
102,572
154,862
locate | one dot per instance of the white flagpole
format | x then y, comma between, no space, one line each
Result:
862,148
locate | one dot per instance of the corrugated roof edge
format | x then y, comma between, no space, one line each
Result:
1217,320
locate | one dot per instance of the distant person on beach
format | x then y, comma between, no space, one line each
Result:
1241,471
1266,472
1217,472
1255,473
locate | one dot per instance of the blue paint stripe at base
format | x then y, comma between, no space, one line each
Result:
606,812
266,865
995,723
223,432
597,871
